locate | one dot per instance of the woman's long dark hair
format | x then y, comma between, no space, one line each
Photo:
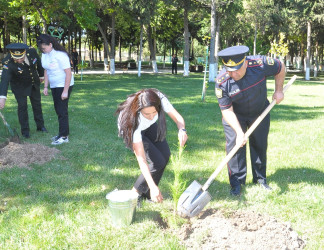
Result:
47,39
129,111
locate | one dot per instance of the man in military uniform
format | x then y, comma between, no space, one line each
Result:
242,96
22,68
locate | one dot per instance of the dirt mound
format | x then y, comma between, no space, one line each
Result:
216,229
22,155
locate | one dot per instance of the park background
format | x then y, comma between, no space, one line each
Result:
109,33
61,204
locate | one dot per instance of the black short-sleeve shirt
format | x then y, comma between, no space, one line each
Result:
248,96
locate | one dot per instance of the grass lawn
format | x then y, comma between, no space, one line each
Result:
62,205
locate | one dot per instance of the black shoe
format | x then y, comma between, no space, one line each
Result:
142,198
264,185
42,129
235,190
26,135
139,201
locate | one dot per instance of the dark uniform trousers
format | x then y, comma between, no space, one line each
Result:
157,155
35,100
258,142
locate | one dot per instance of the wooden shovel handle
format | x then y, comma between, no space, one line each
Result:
247,134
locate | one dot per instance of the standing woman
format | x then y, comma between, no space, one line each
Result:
56,62
142,125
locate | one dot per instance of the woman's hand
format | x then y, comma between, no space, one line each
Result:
182,136
156,195
64,95
45,91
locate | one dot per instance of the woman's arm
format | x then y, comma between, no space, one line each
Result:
68,77
45,91
138,148
178,119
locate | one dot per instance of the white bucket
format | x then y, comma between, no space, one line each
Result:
122,207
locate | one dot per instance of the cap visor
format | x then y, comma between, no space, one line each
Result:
237,67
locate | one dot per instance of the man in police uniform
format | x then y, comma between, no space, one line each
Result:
22,68
242,96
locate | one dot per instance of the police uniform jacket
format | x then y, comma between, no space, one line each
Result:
248,96
22,77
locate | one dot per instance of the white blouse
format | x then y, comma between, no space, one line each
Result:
55,63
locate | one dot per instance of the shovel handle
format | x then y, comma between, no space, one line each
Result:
3,119
247,134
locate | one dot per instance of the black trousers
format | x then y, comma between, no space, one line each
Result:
174,68
157,155
61,109
258,142
35,100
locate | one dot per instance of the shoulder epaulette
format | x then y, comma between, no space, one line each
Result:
255,62
222,78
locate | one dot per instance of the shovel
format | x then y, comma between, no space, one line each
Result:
14,135
195,197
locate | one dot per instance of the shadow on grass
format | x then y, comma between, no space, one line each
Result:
292,113
155,216
284,177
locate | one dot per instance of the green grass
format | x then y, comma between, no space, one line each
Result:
62,205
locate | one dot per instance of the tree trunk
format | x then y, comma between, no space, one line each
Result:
119,49
70,41
211,76
164,54
80,43
24,29
255,38
309,33
218,18
140,51
104,36
316,59
113,42
151,47
186,39
6,36
43,20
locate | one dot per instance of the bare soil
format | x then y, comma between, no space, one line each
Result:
23,155
217,229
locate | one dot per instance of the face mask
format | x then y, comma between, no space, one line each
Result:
147,120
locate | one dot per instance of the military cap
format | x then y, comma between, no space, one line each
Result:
17,50
233,57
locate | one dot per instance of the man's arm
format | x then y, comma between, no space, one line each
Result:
279,82
5,79
230,117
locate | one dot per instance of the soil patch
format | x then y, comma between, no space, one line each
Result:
216,229
22,155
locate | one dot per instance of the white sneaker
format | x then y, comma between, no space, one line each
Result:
61,140
54,138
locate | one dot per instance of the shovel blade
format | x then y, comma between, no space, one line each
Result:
193,200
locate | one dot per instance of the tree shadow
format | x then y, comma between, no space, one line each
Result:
283,177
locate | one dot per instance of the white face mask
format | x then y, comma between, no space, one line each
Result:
142,118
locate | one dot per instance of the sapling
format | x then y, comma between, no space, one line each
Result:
179,185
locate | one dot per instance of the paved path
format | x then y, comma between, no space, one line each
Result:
129,71
120,71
